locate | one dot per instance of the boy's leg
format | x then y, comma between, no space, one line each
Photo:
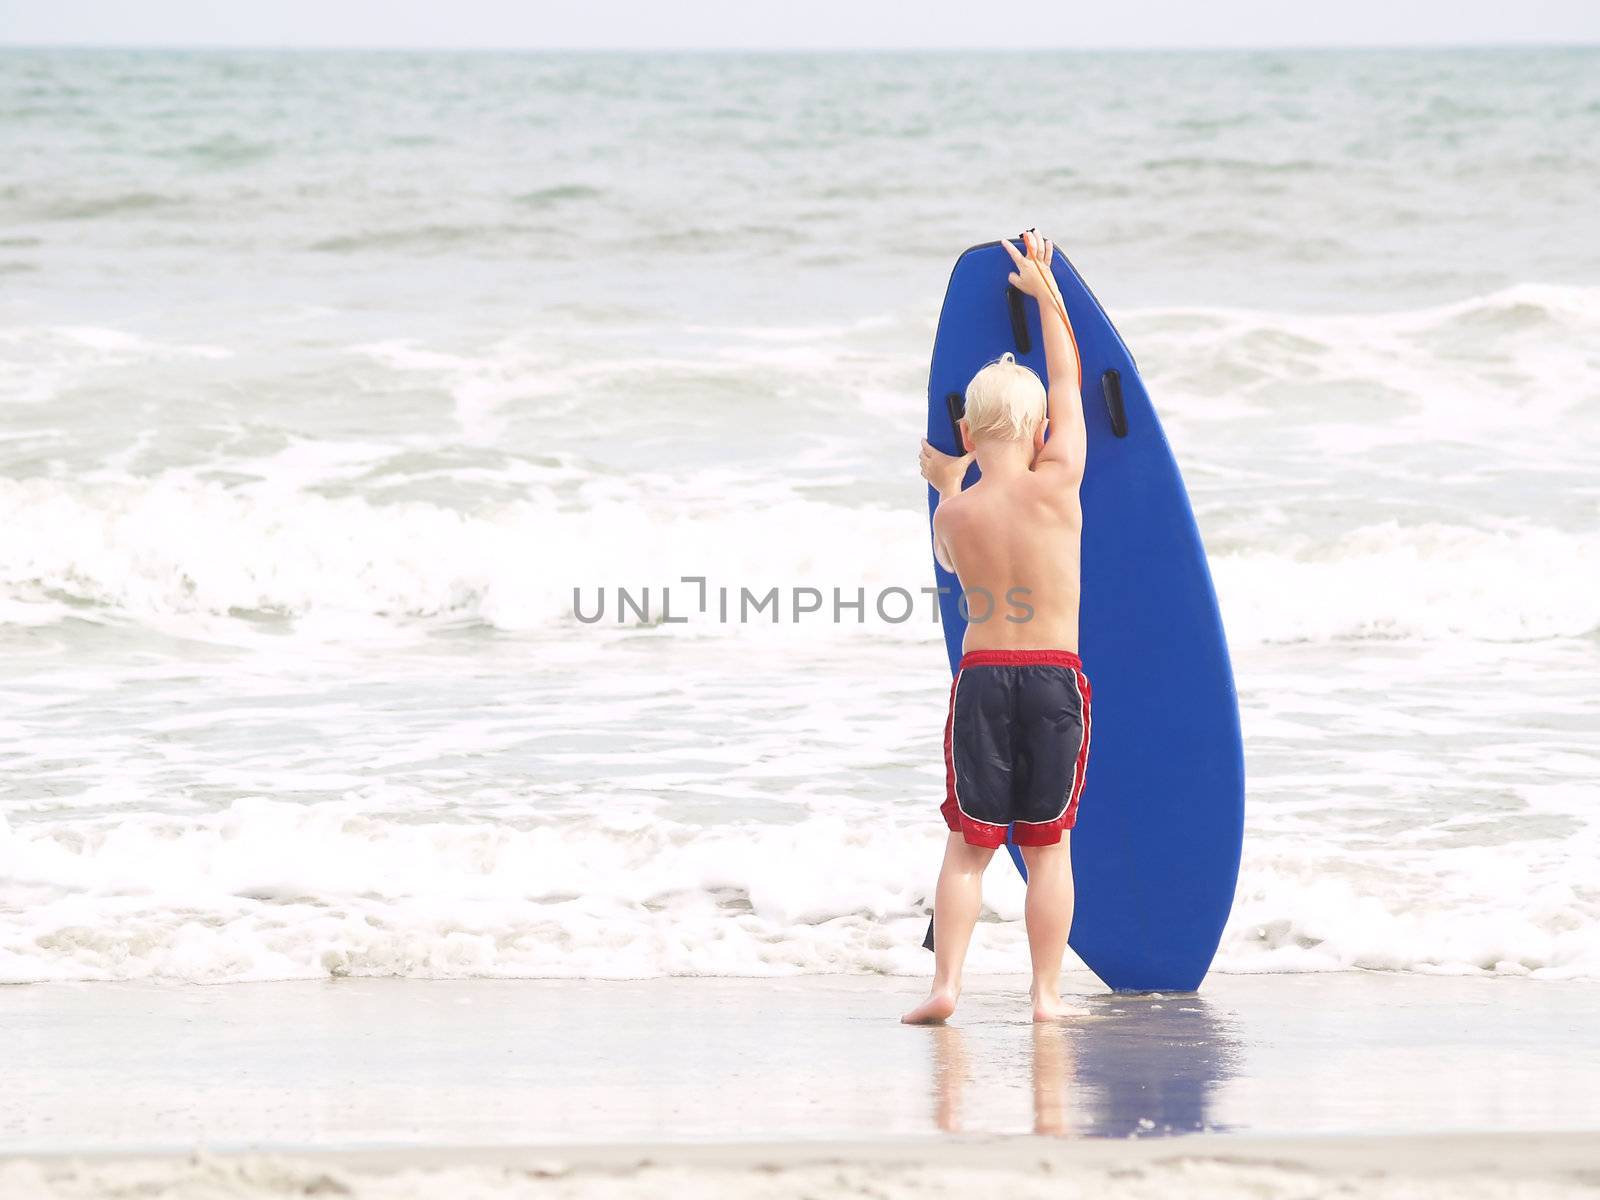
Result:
1053,741
1049,918
956,904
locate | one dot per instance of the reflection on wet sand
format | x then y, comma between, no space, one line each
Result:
1135,1065
1052,1073
1152,1064
949,1076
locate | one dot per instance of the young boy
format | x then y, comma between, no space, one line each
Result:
1016,740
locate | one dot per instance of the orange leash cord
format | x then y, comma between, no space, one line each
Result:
1060,307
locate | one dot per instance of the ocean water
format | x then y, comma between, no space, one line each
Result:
330,384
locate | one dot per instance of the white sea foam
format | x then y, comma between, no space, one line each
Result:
164,548
1427,581
273,890
1506,377
38,362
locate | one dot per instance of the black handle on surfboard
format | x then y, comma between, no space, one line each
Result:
1019,321
956,405
1111,386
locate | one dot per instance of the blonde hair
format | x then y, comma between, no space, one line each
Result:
1005,400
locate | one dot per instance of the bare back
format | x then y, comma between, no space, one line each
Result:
1015,537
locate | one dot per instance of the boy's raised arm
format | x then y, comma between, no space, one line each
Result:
1069,443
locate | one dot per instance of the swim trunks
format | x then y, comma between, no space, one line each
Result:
1016,746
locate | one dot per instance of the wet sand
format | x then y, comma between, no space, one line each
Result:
1314,1076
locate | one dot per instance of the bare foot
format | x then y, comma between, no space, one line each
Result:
935,1010
1053,1008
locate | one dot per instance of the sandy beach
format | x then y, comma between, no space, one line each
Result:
1282,1085
1470,1166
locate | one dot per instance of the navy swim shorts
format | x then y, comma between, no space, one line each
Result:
1016,746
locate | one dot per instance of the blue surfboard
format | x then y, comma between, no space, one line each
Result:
1155,853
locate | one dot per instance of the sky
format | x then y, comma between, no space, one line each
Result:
786,24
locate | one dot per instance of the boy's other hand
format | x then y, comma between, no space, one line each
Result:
1032,276
943,471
